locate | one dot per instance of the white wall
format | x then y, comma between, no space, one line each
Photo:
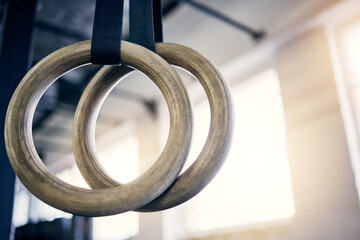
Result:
326,198
327,205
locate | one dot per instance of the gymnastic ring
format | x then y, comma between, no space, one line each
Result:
210,160
99,202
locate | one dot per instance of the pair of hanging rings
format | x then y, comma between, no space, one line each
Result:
160,187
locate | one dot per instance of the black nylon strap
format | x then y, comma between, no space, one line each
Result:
107,28
157,17
141,23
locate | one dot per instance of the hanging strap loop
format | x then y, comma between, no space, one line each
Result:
107,28
157,18
145,23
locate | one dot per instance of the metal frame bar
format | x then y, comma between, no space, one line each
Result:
253,33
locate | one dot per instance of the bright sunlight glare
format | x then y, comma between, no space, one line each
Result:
351,39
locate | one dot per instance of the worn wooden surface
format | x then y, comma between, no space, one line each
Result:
206,166
57,193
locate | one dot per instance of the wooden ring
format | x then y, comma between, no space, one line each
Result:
210,160
99,202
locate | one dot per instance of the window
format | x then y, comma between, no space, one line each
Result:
254,185
351,39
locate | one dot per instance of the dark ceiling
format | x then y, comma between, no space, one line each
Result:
59,23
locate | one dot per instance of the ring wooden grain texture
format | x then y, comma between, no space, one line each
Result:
99,202
210,160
